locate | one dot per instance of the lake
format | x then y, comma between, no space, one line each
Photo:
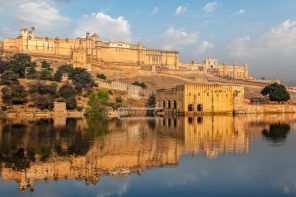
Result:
248,155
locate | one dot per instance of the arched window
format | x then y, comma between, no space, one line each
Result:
190,120
175,104
169,104
190,107
200,107
163,104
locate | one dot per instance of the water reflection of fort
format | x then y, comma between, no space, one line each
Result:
86,150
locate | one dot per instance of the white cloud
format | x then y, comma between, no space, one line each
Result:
240,12
176,39
275,49
43,14
181,10
211,6
106,26
205,45
155,11
279,40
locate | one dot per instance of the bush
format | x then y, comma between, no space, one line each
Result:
95,107
31,72
61,70
3,66
9,77
14,94
81,78
101,76
45,74
67,91
43,102
118,99
276,92
151,100
45,65
18,64
141,84
44,89
103,96
71,103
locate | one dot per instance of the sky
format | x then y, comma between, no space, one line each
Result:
259,33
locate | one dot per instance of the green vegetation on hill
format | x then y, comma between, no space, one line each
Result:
42,95
97,102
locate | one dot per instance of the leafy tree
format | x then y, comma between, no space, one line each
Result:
18,64
61,70
45,65
71,103
276,92
118,99
103,96
31,72
81,78
14,94
95,107
9,77
151,100
43,102
141,84
44,89
67,91
45,74
3,66
101,76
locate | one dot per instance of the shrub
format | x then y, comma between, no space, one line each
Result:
18,64
3,66
67,91
14,94
118,99
81,78
9,77
43,102
101,76
44,89
61,70
71,103
141,84
45,74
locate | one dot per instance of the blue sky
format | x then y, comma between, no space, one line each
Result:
257,32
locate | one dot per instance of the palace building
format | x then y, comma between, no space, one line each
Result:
90,50
196,98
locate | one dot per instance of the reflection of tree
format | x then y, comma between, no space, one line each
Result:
277,133
22,144
97,126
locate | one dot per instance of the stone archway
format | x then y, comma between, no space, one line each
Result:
163,104
199,107
175,104
190,108
169,104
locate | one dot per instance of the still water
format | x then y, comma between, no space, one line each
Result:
184,156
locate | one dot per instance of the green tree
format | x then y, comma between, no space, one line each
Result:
3,66
45,74
97,102
81,78
44,89
151,100
276,92
71,103
43,102
18,64
9,77
46,65
141,84
66,91
101,76
31,72
14,94
61,70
